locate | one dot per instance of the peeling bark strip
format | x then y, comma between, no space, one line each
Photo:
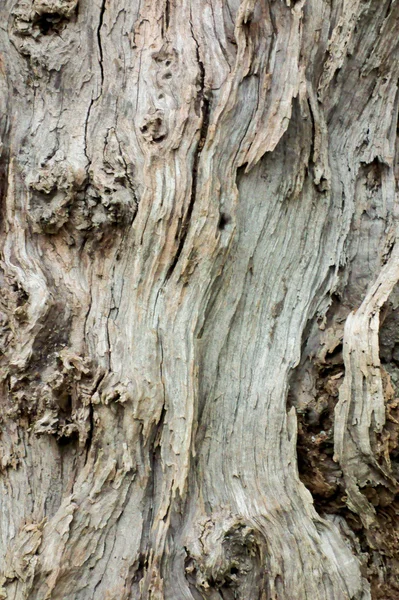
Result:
199,208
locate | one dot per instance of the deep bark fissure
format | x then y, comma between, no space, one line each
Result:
100,48
167,14
204,105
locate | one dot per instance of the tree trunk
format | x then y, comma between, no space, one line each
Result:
199,318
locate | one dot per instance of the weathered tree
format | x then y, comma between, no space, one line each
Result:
199,318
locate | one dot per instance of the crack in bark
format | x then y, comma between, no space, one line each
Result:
90,433
100,48
167,14
85,132
202,102
100,62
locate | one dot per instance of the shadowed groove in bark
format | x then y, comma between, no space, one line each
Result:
204,104
100,48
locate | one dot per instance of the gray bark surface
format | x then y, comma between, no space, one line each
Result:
199,304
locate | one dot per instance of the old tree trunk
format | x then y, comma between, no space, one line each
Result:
199,310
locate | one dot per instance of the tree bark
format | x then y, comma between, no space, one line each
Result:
199,309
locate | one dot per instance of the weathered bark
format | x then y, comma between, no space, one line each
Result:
198,268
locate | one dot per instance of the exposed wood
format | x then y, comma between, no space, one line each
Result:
198,319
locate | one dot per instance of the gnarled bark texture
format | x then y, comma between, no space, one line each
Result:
199,318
